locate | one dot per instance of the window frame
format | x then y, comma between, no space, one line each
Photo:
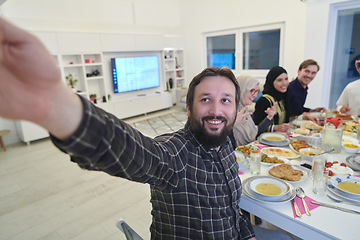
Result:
258,73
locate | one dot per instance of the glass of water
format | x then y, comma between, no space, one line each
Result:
320,181
255,162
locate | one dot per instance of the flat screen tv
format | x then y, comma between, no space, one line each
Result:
135,73
222,60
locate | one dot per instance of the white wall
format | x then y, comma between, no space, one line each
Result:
319,45
202,16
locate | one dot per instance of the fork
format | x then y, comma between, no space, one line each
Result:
339,201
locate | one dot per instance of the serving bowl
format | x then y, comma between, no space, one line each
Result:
266,185
351,147
304,153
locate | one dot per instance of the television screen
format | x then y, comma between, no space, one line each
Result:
222,60
135,73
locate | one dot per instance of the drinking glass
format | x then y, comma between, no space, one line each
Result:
320,181
255,162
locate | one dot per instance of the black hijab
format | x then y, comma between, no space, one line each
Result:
270,89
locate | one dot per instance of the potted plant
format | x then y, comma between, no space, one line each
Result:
93,97
71,81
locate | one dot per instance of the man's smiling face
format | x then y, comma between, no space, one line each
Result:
214,110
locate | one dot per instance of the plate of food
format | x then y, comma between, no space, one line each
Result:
336,168
280,152
245,149
309,128
348,185
241,159
273,137
292,174
346,139
296,145
248,192
349,134
269,161
269,188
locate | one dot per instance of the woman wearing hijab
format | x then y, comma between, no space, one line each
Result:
275,94
245,131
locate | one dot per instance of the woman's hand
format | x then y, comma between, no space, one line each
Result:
271,111
308,116
282,127
240,115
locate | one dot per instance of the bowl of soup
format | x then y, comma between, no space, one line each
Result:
351,147
241,159
273,137
269,188
347,185
308,154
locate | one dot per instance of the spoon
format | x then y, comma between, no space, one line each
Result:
301,194
328,151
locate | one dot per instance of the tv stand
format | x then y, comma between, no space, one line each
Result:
130,107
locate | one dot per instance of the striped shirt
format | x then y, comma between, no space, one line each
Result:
195,190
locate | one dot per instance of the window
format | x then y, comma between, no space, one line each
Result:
221,51
250,50
261,49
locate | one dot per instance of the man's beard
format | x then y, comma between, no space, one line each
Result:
206,138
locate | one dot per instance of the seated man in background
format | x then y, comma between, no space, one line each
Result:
192,173
350,97
298,89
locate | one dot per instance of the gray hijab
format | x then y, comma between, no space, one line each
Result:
246,131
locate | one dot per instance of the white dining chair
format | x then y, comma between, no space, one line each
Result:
130,234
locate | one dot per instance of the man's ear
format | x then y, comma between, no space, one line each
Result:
188,111
298,72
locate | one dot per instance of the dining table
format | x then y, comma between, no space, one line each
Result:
324,222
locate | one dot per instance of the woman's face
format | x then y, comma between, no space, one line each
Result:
249,96
281,83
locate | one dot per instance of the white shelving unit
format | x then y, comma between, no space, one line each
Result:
82,66
174,71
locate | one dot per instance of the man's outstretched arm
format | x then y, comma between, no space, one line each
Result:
31,85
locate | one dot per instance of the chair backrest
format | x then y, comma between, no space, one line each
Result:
130,234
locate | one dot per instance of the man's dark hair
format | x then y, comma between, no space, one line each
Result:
308,62
212,72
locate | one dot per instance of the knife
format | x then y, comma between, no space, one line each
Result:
332,206
297,211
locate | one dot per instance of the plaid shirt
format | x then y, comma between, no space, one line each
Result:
195,191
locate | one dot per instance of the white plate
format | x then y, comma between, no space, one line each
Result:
345,178
277,148
302,178
353,162
281,184
349,134
334,191
265,135
246,189
349,139
270,164
284,143
348,170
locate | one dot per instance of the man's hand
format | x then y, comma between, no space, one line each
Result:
31,85
307,116
240,115
283,127
271,111
345,109
319,109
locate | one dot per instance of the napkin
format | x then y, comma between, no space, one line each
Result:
259,145
357,175
240,172
300,205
